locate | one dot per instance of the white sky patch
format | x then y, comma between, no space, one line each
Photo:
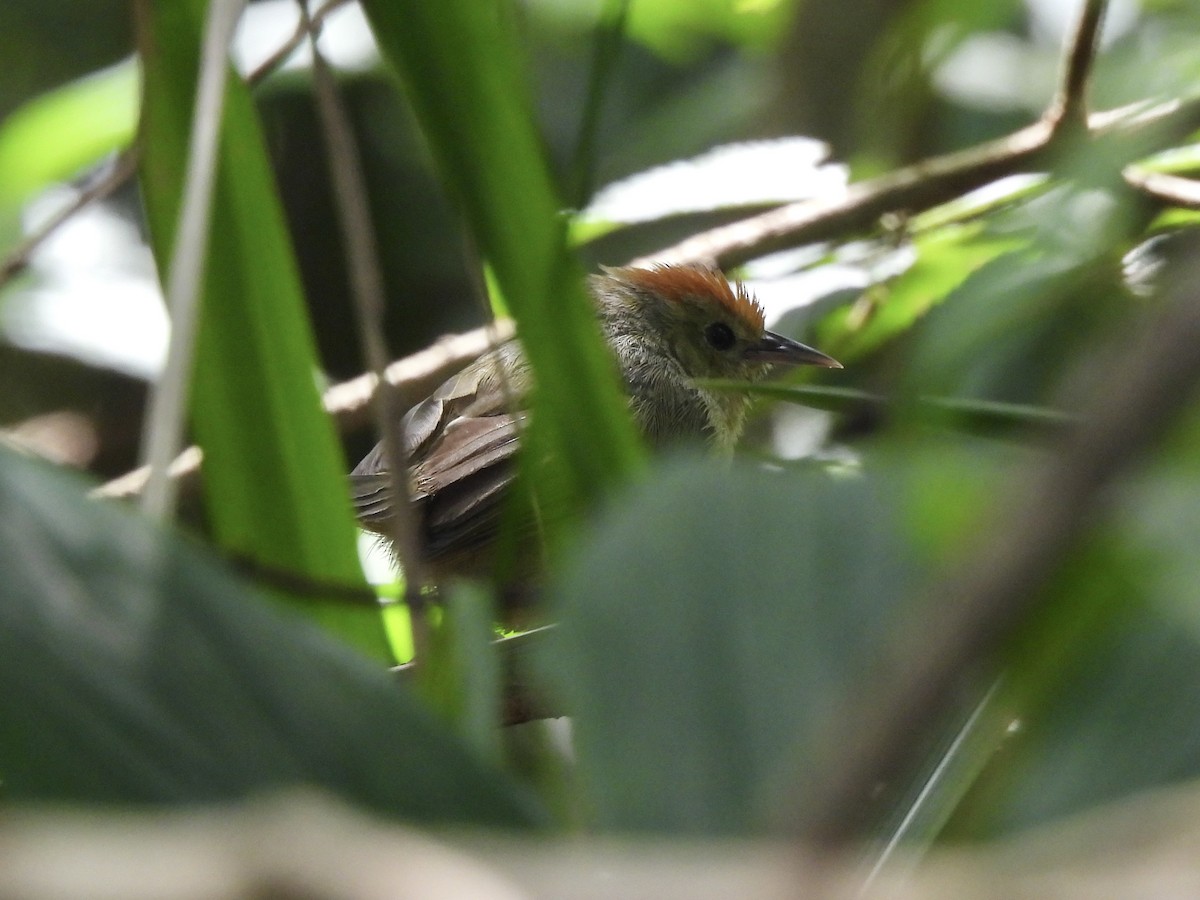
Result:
93,294
375,556
734,175
346,39
997,71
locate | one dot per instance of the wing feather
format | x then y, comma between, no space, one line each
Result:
461,442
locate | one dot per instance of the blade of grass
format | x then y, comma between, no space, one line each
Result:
462,66
164,422
965,412
273,471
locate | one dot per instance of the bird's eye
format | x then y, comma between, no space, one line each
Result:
719,336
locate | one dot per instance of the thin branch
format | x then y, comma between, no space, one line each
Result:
913,188
1171,190
367,291
288,47
981,604
162,435
1069,108
924,185
120,171
414,377
349,402
126,165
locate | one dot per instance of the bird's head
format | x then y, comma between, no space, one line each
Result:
713,329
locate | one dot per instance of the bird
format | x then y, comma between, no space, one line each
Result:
668,327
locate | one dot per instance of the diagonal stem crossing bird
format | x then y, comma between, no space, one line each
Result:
667,327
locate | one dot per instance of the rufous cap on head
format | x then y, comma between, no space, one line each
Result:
678,283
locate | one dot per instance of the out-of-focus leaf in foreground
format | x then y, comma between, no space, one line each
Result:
712,628
55,135
133,669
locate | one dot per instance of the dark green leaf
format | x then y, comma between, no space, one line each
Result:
711,628
134,669
1105,676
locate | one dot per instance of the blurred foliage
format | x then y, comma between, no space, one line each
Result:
253,394
138,670
66,130
715,620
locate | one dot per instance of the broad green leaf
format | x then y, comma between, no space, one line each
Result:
273,472
1103,682
682,30
945,259
712,628
462,65
54,136
135,669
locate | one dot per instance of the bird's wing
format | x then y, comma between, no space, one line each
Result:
462,483
483,389
460,443
458,486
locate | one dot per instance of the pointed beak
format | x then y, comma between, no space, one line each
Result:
781,351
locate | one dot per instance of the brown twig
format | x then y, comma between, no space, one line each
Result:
1069,107
349,402
368,295
122,169
913,188
1171,190
126,165
298,37
980,605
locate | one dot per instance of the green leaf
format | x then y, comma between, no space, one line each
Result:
945,259
463,67
135,669
1102,682
273,471
683,30
54,136
461,679
711,628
